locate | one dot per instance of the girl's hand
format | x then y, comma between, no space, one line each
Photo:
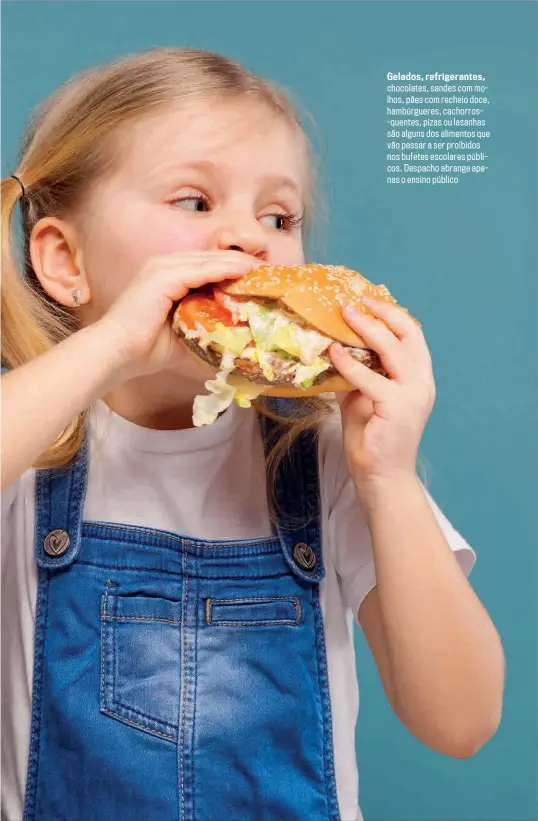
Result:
383,420
138,323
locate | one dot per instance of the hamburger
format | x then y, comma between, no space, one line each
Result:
269,333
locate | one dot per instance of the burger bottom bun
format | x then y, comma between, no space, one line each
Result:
333,384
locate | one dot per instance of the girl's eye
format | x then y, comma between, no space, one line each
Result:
285,222
192,203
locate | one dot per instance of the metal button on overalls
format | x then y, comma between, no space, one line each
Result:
57,542
304,555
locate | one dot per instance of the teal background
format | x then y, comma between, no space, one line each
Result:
462,258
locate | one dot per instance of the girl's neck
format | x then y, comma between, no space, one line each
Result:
161,401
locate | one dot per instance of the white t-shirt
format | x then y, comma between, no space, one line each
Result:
188,482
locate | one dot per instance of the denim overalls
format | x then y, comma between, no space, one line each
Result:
177,679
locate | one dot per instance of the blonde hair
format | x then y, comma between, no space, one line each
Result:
69,145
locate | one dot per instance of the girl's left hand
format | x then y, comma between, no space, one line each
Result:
384,418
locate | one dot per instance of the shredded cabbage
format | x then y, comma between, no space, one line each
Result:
273,330
305,374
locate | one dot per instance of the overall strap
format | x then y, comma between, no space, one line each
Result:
60,494
297,495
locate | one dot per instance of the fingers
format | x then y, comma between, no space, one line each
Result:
205,257
398,320
377,337
217,269
184,272
397,338
373,385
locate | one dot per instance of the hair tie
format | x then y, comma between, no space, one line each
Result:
23,189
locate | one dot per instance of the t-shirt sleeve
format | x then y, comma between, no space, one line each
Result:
18,517
8,497
349,540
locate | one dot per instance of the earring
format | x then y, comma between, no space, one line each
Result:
76,298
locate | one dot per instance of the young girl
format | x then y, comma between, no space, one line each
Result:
172,649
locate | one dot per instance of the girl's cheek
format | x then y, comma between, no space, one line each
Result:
174,241
126,256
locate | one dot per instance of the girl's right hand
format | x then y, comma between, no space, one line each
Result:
134,337
137,324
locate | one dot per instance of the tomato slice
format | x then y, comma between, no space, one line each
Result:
204,309
229,303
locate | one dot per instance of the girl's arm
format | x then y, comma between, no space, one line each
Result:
42,397
133,338
438,653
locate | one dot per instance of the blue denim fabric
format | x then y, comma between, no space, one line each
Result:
177,679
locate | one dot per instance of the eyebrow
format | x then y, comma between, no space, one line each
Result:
269,180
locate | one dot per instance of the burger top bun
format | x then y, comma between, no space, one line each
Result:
317,293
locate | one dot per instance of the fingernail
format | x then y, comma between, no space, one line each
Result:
351,312
337,347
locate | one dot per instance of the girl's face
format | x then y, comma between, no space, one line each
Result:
205,177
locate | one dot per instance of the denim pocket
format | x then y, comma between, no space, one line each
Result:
140,662
254,611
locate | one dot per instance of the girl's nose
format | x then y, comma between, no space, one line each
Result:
247,236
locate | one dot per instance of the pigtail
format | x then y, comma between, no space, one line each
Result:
24,335
29,325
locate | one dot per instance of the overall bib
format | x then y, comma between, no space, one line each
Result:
177,679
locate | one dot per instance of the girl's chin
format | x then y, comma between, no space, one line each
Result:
190,366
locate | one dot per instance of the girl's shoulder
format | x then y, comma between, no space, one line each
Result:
22,487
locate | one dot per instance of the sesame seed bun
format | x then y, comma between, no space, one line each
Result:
317,293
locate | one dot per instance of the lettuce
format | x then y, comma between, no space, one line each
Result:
231,339
207,407
276,337
247,393
273,330
306,374
221,395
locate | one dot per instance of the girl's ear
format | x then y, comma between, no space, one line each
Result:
57,260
